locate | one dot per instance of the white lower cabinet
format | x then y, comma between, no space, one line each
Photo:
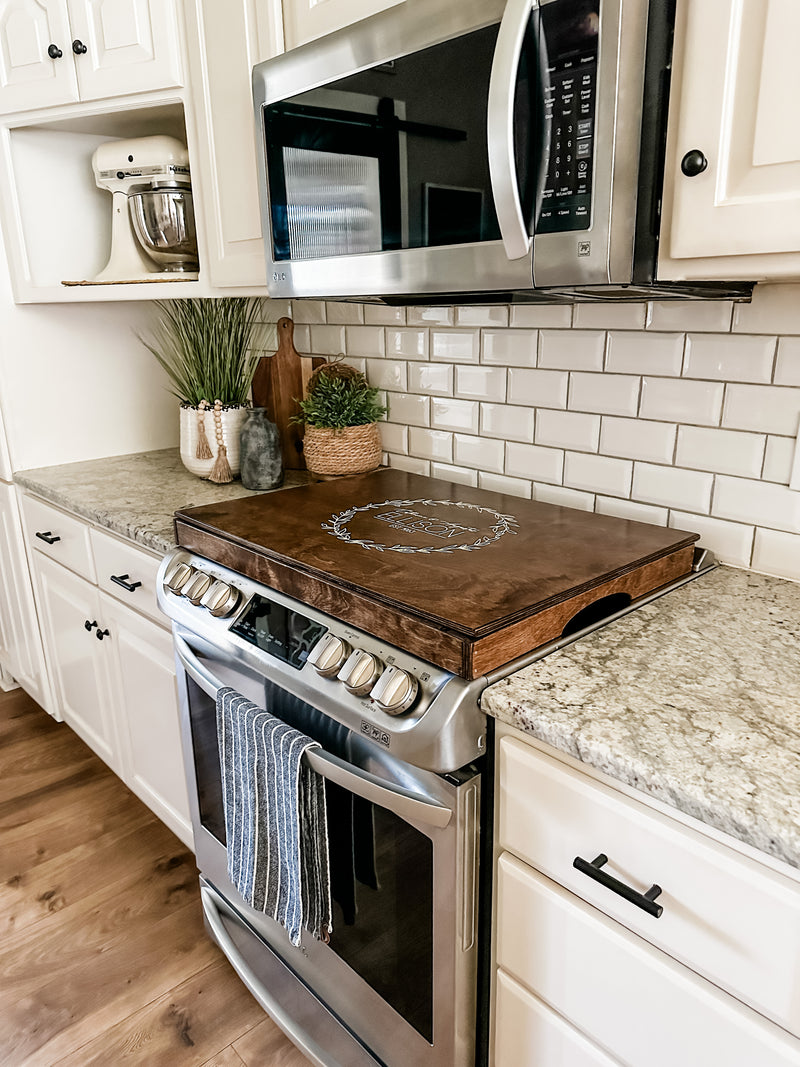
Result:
110,656
586,976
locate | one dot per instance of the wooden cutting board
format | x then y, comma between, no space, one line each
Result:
280,380
462,577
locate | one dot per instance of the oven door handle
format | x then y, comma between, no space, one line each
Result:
403,802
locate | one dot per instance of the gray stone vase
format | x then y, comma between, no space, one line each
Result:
260,457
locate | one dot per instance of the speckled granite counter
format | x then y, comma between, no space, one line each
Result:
134,496
693,699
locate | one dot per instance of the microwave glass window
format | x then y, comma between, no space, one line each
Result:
395,156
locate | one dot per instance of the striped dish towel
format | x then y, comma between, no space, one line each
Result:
275,817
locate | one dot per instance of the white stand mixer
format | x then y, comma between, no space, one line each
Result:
152,220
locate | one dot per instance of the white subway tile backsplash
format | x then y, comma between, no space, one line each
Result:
434,316
787,365
681,401
383,315
410,464
394,437
386,374
731,542
729,358
711,315
571,349
406,343
542,316
510,348
598,474
644,353
430,444
567,429
454,474
492,315
481,383
535,462
327,340
609,316
455,346
606,394
778,460
777,553
629,509
763,408
744,500
365,340
343,312
499,483
458,415
722,451
565,498
302,338
638,439
409,409
538,388
481,452
774,309
434,378
506,421
671,487
311,311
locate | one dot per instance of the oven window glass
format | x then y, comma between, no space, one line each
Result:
395,156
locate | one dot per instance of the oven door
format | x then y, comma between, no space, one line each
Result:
397,983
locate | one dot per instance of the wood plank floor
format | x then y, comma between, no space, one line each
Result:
103,956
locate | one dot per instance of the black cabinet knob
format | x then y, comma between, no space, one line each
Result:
101,634
54,52
89,625
693,163
79,48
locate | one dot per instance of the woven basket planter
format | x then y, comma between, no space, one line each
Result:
351,450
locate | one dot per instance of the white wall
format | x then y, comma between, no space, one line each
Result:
676,413
75,383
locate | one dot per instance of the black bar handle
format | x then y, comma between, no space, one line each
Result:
122,579
645,901
48,536
101,634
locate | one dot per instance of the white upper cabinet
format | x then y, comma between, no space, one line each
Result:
303,20
732,176
60,51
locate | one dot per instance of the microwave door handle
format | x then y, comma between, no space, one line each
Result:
403,802
500,128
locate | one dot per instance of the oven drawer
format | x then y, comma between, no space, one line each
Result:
58,535
127,573
635,1001
724,915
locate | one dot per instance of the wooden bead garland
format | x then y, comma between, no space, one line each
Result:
221,471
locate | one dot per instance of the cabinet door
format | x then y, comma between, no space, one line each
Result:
29,76
735,85
303,20
146,699
76,657
131,46
21,652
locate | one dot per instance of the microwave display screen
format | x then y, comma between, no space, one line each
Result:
571,34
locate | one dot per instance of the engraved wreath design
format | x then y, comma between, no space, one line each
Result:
337,527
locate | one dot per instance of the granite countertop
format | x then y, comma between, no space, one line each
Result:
693,699
134,496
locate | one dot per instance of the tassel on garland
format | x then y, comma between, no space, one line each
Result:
203,447
221,471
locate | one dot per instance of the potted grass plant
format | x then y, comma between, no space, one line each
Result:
340,413
209,349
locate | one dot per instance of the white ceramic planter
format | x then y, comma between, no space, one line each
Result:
231,421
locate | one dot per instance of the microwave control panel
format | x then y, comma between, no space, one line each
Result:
571,35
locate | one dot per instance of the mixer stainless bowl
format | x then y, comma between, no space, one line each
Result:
163,220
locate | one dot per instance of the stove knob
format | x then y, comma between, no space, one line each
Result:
177,576
395,691
221,599
360,672
197,587
328,655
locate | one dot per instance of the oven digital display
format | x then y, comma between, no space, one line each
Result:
284,633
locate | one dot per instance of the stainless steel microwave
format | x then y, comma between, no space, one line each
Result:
470,151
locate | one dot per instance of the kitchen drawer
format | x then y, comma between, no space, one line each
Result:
724,915
115,559
636,1002
56,534
527,1032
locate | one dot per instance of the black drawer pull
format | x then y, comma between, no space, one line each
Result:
101,634
122,579
645,901
89,625
48,536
